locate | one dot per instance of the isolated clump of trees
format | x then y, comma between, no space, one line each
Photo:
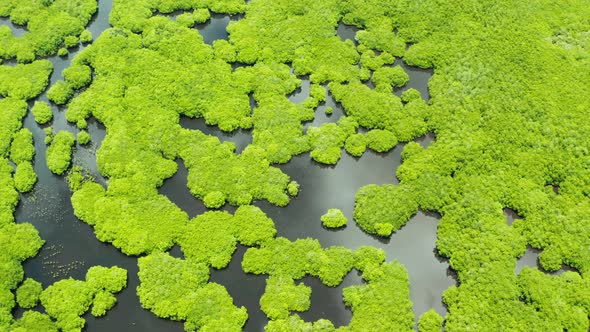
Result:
334,218
59,152
42,112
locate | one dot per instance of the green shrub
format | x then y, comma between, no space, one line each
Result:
334,218
42,112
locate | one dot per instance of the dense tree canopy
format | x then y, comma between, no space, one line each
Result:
50,24
334,218
179,289
42,112
68,299
18,242
27,294
506,104
59,152
25,81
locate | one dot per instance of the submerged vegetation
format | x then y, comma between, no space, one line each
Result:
505,104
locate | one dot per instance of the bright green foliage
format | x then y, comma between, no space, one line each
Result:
507,117
224,51
430,321
33,321
562,302
17,243
42,112
367,256
374,109
329,110
272,31
505,106
208,239
295,323
130,215
103,301
71,41
27,295
25,177
13,111
86,37
317,92
327,141
22,148
334,218
348,125
68,299
111,280
356,145
77,76
133,15
246,177
178,289
165,281
293,188
63,52
277,122
371,61
281,257
76,178
49,25
286,261
297,259
214,200
59,153
378,19
411,149
327,59
201,15
83,137
282,296
332,265
384,209
142,123
252,227
386,78
60,92
380,140
24,81
48,135
211,238
186,19
410,95
82,124
383,303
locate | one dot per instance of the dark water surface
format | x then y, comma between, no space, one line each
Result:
71,246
